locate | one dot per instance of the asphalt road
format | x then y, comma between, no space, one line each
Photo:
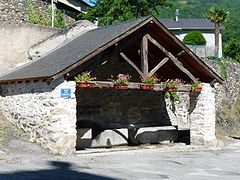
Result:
132,164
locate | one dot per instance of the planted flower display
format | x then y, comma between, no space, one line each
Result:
148,82
172,84
196,86
84,80
121,82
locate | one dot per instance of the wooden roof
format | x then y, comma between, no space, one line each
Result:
81,49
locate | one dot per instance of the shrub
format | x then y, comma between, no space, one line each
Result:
194,38
36,16
232,49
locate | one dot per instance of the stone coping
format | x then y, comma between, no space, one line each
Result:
137,85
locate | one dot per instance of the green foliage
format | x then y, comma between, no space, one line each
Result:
36,16
195,85
217,15
223,70
112,11
150,80
232,49
231,27
173,83
194,38
196,9
122,79
84,77
174,96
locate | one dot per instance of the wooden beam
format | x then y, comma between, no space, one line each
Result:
181,53
157,44
189,52
158,66
132,64
183,69
172,58
144,56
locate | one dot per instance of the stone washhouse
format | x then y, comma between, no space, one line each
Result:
42,98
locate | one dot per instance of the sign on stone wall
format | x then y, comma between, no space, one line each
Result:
66,92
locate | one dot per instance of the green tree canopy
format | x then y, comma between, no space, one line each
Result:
217,15
194,38
112,11
232,49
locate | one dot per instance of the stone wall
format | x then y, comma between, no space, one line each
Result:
108,108
15,11
58,39
16,40
39,109
227,98
21,43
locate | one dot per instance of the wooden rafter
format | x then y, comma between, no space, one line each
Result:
158,66
131,63
107,55
172,57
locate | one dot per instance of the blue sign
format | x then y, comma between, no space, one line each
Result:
66,93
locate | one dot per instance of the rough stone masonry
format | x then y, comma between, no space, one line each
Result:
39,109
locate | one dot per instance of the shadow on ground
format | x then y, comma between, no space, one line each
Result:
60,171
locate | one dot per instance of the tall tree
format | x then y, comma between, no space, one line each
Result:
218,16
112,11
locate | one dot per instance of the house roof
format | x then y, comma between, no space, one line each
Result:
75,4
76,51
70,52
188,24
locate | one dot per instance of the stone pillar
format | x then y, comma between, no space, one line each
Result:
65,117
202,116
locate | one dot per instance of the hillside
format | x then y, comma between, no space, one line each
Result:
196,9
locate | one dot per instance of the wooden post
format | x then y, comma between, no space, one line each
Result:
144,56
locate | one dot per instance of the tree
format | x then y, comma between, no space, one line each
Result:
217,16
112,11
194,38
232,49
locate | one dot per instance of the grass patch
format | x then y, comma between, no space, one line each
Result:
223,70
228,118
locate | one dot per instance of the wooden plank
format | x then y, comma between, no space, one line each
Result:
172,58
158,66
144,56
132,64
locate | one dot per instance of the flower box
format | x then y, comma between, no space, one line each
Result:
86,85
120,86
146,87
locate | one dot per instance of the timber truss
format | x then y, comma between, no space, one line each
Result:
144,71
